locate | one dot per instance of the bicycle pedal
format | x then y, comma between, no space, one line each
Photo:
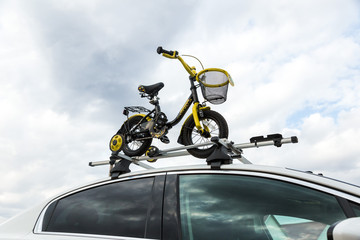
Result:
165,139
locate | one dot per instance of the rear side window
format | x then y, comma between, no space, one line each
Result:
118,209
246,207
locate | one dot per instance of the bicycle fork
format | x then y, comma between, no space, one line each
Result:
196,110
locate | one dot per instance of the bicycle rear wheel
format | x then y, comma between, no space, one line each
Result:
214,123
136,143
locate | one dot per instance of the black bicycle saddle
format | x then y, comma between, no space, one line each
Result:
151,89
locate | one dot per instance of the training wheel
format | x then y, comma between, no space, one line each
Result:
152,152
116,143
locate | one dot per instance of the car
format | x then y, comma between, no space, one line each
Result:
217,200
195,202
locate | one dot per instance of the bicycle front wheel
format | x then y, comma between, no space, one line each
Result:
213,123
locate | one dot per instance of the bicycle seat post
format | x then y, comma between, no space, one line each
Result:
154,100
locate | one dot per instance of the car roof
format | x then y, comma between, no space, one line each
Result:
245,169
307,176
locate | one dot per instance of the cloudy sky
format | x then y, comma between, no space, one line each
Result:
67,69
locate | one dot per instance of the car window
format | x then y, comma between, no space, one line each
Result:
247,207
118,209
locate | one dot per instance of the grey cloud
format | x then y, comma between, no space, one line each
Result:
104,50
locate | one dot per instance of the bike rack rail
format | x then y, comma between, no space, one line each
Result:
224,153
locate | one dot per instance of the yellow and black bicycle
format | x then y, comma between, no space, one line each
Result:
135,136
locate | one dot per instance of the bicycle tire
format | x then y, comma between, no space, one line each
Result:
216,125
134,147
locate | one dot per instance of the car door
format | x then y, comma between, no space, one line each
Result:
229,205
128,208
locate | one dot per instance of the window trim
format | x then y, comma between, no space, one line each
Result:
346,207
38,225
171,222
94,236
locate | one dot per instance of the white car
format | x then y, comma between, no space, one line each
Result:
198,202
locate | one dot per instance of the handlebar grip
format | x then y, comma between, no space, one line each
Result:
160,50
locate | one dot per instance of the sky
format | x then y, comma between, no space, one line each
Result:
67,69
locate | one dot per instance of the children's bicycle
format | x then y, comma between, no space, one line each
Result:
135,136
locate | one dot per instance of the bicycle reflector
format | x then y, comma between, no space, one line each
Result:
116,143
214,84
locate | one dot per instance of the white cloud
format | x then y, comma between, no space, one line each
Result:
327,145
69,67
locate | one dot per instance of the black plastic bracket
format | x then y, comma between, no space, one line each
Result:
272,137
219,155
120,167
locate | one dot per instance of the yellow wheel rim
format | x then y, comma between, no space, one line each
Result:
116,143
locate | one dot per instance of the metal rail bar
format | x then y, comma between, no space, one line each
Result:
181,151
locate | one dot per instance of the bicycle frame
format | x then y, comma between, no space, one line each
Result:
182,112
192,99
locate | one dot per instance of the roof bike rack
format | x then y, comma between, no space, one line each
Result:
224,153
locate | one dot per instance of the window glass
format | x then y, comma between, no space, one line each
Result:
245,207
115,209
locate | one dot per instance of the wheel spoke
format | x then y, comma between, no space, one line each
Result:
209,125
214,125
134,146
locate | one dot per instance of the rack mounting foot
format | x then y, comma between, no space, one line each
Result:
219,156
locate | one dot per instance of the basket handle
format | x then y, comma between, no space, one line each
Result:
229,79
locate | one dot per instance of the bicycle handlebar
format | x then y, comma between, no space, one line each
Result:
175,55
166,53
160,50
